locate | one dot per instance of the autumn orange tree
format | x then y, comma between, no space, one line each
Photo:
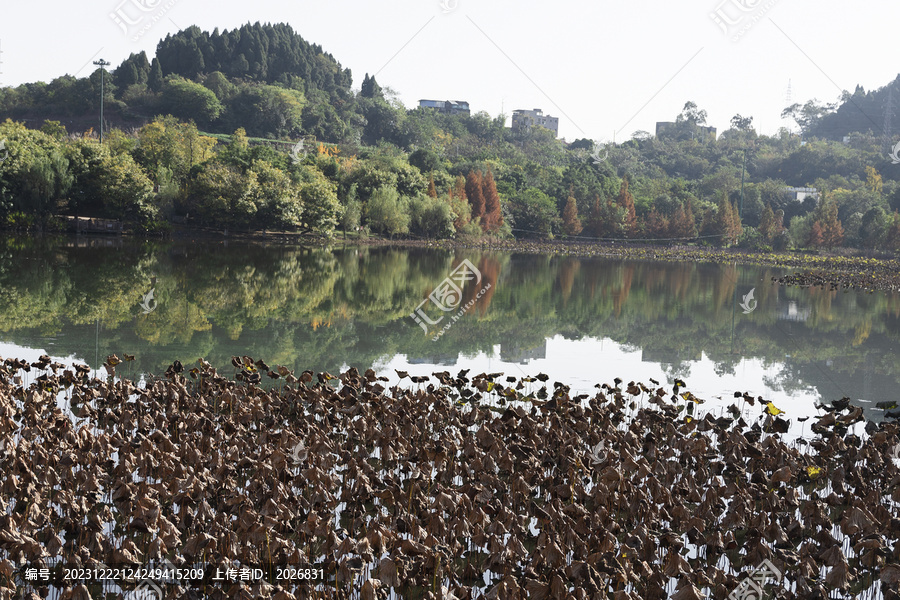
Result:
682,225
571,223
492,218
767,229
475,194
626,201
827,217
657,225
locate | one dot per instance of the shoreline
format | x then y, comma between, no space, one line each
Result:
868,272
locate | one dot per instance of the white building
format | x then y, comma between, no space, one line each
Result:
526,119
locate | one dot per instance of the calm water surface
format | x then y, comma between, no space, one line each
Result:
581,321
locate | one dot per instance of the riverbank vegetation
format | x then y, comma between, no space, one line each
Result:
255,129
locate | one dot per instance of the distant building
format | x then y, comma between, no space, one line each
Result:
799,194
514,353
701,132
446,106
526,119
791,311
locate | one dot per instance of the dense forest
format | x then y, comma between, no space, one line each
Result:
256,128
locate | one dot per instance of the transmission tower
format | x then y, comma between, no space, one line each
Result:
785,121
887,135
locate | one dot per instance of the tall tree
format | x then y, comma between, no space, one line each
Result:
432,191
475,194
570,221
155,79
832,230
626,201
682,223
767,225
816,237
493,217
370,88
657,225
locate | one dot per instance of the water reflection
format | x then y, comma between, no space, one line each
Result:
586,320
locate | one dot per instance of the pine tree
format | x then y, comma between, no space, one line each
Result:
571,222
626,201
816,238
832,230
459,205
723,224
682,225
493,218
155,80
657,225
767,225
475,194
370,88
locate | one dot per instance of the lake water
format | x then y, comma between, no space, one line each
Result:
580,321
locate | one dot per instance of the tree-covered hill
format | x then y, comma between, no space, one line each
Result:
205,133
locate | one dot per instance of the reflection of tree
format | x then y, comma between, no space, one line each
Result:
322,309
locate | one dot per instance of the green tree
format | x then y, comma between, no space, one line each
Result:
534,214
188,100
321,208
386,212
350,219
430,217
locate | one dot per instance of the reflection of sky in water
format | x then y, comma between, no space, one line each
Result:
581,364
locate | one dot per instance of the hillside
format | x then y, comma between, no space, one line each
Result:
191,135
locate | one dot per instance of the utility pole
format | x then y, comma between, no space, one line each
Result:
741,208
101,63
887,134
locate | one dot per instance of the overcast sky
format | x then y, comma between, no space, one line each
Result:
605,68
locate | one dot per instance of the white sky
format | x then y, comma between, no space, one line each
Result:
601,67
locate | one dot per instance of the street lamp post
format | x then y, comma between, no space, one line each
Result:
101,63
